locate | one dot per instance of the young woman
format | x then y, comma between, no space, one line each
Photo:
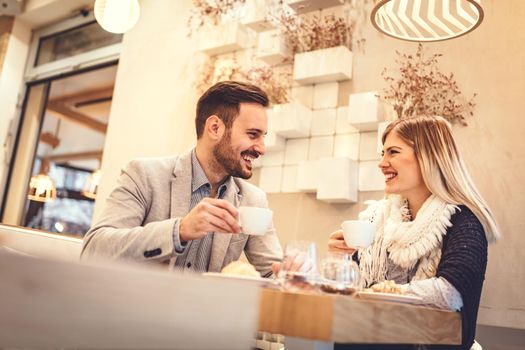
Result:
432,226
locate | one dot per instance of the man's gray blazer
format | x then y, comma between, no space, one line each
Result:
152,196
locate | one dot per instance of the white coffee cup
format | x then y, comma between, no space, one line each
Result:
255,220
357,233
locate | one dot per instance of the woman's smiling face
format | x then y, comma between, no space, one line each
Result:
401,168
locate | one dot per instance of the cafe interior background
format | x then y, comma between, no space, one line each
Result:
78,102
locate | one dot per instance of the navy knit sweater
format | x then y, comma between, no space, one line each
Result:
463,264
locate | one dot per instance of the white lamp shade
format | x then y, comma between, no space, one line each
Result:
426,20
117,16
41,189
91,186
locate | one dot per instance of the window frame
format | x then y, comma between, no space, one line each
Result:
70,64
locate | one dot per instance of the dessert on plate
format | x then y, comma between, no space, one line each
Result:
240,268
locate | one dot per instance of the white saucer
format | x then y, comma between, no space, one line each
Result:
398,298
249,279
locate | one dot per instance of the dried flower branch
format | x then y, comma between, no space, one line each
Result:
211,73
276,85
419,88
210,11
304,34
308,34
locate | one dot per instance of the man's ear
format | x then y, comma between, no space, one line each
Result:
214,127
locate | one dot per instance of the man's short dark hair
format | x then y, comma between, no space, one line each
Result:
223,100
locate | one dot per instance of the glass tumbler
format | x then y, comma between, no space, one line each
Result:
339,274
299,267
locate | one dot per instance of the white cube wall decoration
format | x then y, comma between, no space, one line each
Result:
321,147
223,38
308,175
323,122
274,142
365,111
303,94
292,120
339,180
326,95
296,150
270,179
273,158
320,66
347,146
370,177
243,58
342,126
272,48
304,6
255,15
289,181
380,130
368,146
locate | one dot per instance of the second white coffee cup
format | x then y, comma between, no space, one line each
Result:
357,233
255,220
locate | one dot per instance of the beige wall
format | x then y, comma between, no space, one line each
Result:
153,107
153,100
6,25
11,85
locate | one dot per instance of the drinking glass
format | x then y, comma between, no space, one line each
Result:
339,274
299,268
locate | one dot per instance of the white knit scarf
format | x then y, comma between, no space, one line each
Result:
405,242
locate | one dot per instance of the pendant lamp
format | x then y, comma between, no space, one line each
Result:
42,187
426,20
91,186
117,16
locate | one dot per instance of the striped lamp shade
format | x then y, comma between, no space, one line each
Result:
426,20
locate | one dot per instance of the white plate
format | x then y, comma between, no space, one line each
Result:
398,298
257,280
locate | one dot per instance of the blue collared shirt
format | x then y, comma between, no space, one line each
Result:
195,255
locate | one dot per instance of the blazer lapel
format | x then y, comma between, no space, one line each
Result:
221,241
181,187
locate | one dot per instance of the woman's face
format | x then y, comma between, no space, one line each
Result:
401,168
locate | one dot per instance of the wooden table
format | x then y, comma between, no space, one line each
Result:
60,304
346,319
52,304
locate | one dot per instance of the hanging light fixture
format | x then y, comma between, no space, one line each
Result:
117,16
91,186
426,20
42,187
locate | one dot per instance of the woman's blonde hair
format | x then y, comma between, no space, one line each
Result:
442,167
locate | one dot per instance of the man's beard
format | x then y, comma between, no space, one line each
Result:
227,159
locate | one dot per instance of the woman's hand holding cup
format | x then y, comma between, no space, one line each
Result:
336,243
355,234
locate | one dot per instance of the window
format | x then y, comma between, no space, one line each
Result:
70,212
69,46
74,41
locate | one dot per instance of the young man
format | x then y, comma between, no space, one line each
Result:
183,209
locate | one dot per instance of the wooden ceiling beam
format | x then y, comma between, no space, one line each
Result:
90,95
63,111
50,139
